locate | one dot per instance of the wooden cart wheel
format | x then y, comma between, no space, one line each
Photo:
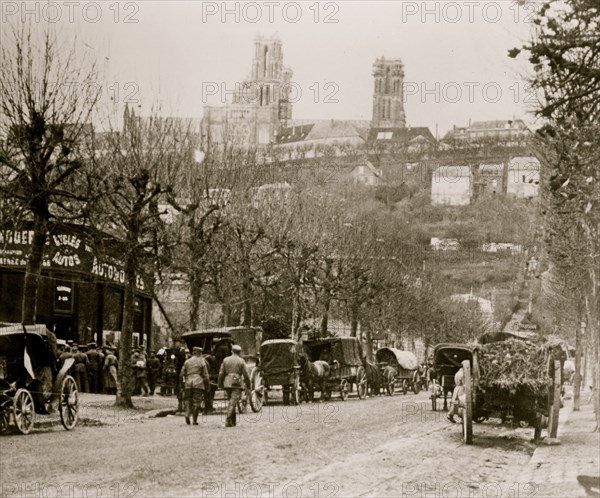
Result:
416,383
258,395
468,408
361,383
390,382
23,411
404,386
344,390
68,404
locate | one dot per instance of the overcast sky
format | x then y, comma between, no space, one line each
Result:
454,53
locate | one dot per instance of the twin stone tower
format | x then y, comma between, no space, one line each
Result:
262,104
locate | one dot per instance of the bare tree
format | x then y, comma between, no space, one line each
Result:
46,102
140,168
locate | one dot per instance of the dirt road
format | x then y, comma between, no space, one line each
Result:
382,446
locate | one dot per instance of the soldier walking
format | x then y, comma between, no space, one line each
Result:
233,377
196,382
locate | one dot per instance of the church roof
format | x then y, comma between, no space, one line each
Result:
332,129
400,134
293,133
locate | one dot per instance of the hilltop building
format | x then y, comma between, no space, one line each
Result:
260,105
260,113
511,130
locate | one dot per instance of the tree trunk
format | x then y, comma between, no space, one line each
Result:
195,292
577,376
326,307
295,313
248,310
34,270
593,329
125,377
353,320
369,344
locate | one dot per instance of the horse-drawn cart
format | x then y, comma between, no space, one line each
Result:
404,370
515,381
344,356
29,380
278,366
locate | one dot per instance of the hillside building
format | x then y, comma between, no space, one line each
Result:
451,185
508,131
523,177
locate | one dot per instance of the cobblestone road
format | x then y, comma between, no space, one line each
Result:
381,446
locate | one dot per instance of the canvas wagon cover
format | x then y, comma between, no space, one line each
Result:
278,356
391,356
346,350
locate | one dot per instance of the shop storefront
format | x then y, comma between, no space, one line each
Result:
82,290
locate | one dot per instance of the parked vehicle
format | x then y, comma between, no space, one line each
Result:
447,360
30,382
404,371
521,406
344,356
278,366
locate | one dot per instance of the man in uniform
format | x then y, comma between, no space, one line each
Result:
94,366
153,367
180,359
196,382
233,377
66,354
80,369
109,370
138,362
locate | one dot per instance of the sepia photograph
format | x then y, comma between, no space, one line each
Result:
289,249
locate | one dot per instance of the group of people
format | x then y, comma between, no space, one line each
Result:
147,371
94,369
233,378
177,371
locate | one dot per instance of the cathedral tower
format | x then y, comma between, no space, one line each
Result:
388,103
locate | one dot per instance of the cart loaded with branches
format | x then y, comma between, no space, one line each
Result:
515,381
